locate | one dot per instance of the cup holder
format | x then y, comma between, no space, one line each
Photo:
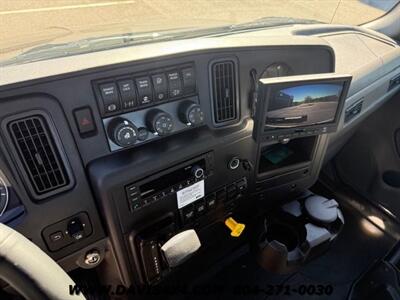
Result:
392,178
280,242
283,234
296,232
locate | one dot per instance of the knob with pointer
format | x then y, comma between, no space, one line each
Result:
159,122
190,113
122,132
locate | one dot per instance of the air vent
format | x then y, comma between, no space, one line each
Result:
40,157
224,92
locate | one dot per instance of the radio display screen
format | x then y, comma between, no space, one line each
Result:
304,104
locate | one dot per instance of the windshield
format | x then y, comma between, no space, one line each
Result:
51,29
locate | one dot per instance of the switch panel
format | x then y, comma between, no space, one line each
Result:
156,103
227,196
131,92
67,231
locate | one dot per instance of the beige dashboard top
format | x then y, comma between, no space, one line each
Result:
46,68
363,53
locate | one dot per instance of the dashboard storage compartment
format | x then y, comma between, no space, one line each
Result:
279,157
297,232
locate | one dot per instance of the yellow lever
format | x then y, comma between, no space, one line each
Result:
235,227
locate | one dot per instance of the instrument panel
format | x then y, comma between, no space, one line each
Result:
145,116
127,122
3,196
11,207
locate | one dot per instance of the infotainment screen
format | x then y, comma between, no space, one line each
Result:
300,105
304,104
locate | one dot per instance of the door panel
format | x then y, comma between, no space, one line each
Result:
370,161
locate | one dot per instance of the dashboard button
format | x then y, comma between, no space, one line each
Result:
175,84
128,94
110,97
241,184
84,121
211,201
200,207
56,236
160,86
109,108
234,163
188,214
143,134
145,93
189,80
135,205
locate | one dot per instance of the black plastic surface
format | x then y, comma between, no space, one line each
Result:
60,96
68,203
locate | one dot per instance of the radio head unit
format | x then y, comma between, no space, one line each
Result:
300,105
171,183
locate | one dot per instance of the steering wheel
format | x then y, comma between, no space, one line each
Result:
29,270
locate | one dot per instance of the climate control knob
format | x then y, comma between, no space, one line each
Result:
122,132
160,122
190,113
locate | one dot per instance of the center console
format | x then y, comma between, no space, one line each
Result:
145,209
186,152
155,196
150,195
182,197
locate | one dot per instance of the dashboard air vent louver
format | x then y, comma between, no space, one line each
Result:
224,91
39,155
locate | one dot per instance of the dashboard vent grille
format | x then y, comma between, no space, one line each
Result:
224,91
39,154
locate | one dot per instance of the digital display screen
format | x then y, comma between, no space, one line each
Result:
304,105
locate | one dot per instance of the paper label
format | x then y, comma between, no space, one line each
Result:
190,194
